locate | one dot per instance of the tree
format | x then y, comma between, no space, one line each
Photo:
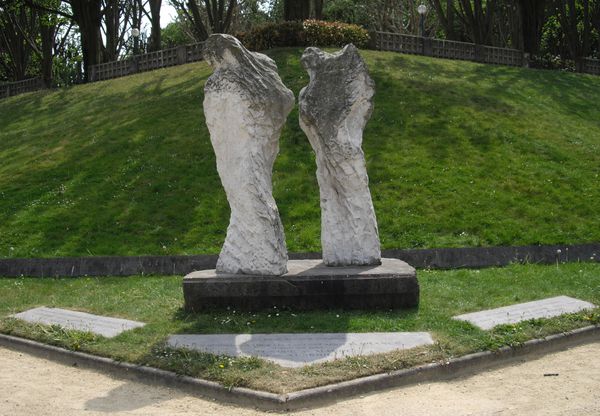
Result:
213,15
18,26
477,17
532,15
446,11
302,9
154,17
176,33
575,23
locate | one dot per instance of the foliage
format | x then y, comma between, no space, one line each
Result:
273,35
321,33
348,11
157,301
308,33
249,14
554,62
175,34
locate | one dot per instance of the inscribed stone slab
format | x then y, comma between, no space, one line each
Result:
80,321
297,350
545,308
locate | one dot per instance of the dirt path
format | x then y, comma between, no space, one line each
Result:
33,386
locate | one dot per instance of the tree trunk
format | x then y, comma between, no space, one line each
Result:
47,36
533,17
17,29
155,23
111,19
88,16
297,9
196,19
578,45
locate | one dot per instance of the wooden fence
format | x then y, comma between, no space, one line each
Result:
15,88
440,48
383,41
147,62
591,66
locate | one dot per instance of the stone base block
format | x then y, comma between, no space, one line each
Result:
309,284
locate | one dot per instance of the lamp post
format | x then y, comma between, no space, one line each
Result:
422,9
135,32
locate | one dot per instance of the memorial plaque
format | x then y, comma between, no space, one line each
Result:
297,350
546,308
80,321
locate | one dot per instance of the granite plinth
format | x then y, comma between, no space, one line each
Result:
297,350
309,284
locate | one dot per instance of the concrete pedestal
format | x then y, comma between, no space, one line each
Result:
309,284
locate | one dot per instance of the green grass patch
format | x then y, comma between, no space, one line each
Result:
458,154
158,302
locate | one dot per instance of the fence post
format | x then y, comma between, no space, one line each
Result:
7,90
92,71
373,41
181,54
526,59
479,53
426,46
133,64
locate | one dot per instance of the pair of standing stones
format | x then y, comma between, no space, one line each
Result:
246,105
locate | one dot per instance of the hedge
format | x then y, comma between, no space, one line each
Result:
307,33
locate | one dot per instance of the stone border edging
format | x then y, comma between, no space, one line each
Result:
309,397
436,258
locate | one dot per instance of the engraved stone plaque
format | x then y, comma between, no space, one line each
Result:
297,350
80,321
545,308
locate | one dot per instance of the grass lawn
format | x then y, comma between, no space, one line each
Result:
158,302
458,154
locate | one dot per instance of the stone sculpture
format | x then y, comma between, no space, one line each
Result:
246,106
334,109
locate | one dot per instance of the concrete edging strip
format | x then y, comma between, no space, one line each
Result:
309,397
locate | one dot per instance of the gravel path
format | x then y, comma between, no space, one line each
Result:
33,386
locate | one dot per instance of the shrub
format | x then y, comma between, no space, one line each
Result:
308,33
273,35
320,33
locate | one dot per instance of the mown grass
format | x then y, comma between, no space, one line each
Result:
458,153
158,302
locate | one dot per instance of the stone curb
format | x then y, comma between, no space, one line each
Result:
436,258
310,397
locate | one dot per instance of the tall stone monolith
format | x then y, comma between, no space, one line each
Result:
334,109
246,106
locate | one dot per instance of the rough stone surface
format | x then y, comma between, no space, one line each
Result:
80,321
297,350
246,105
309,284
334,109
546,308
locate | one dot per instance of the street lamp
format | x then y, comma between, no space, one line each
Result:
422,9
135,32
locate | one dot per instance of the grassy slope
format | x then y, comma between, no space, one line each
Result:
458,154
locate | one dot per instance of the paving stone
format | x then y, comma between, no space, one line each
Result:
297,350
80,321
545,308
